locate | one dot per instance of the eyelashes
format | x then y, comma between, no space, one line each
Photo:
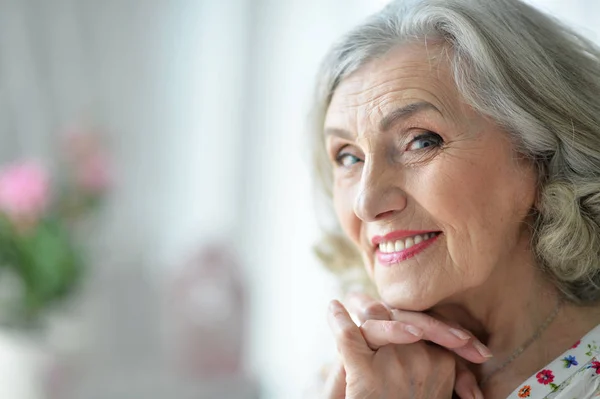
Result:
420,146
426,140
346,159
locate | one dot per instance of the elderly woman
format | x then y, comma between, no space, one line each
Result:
459,146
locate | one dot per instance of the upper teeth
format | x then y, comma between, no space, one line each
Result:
405,243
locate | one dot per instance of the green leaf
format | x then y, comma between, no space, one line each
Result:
48,263
9,253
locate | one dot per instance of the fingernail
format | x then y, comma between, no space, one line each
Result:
417,332
482,349
460,334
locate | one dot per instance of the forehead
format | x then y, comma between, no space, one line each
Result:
407,74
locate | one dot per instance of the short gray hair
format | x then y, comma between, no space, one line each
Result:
537,79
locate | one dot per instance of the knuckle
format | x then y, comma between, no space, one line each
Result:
369,325
383,326
345,334
375,310
432,323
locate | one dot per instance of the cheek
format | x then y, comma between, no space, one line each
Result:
343,202
480,207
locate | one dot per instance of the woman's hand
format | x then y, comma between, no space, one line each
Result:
414,370
384,353
382,325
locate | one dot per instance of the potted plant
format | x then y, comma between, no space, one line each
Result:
42,261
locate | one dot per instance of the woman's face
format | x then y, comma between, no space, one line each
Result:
431,192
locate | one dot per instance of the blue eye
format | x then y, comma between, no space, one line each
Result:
425,141
346,159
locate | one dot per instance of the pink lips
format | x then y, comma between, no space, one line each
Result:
389,259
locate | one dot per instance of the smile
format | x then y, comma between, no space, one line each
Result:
394,251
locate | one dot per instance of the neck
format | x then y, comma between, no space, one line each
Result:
507,310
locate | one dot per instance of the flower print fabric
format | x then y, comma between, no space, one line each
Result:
570,361
573,375
525,391
545,377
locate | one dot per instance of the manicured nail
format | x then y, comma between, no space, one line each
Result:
482,349
417,332
460,334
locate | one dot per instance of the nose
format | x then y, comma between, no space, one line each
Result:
380,193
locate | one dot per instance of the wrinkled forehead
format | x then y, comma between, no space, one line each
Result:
406,74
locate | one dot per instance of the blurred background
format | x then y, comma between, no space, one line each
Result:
157,219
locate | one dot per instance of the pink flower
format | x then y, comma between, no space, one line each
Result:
24,192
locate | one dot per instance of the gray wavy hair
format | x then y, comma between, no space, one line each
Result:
537,79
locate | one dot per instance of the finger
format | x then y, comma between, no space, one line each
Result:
475,352
335,385
350,342
366,308
378,333
434,330
457,339
465,385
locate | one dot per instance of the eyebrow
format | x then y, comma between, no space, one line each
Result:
405,112
388,120
343,133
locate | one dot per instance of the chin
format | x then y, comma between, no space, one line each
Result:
407,297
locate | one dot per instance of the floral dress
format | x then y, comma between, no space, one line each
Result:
573,375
